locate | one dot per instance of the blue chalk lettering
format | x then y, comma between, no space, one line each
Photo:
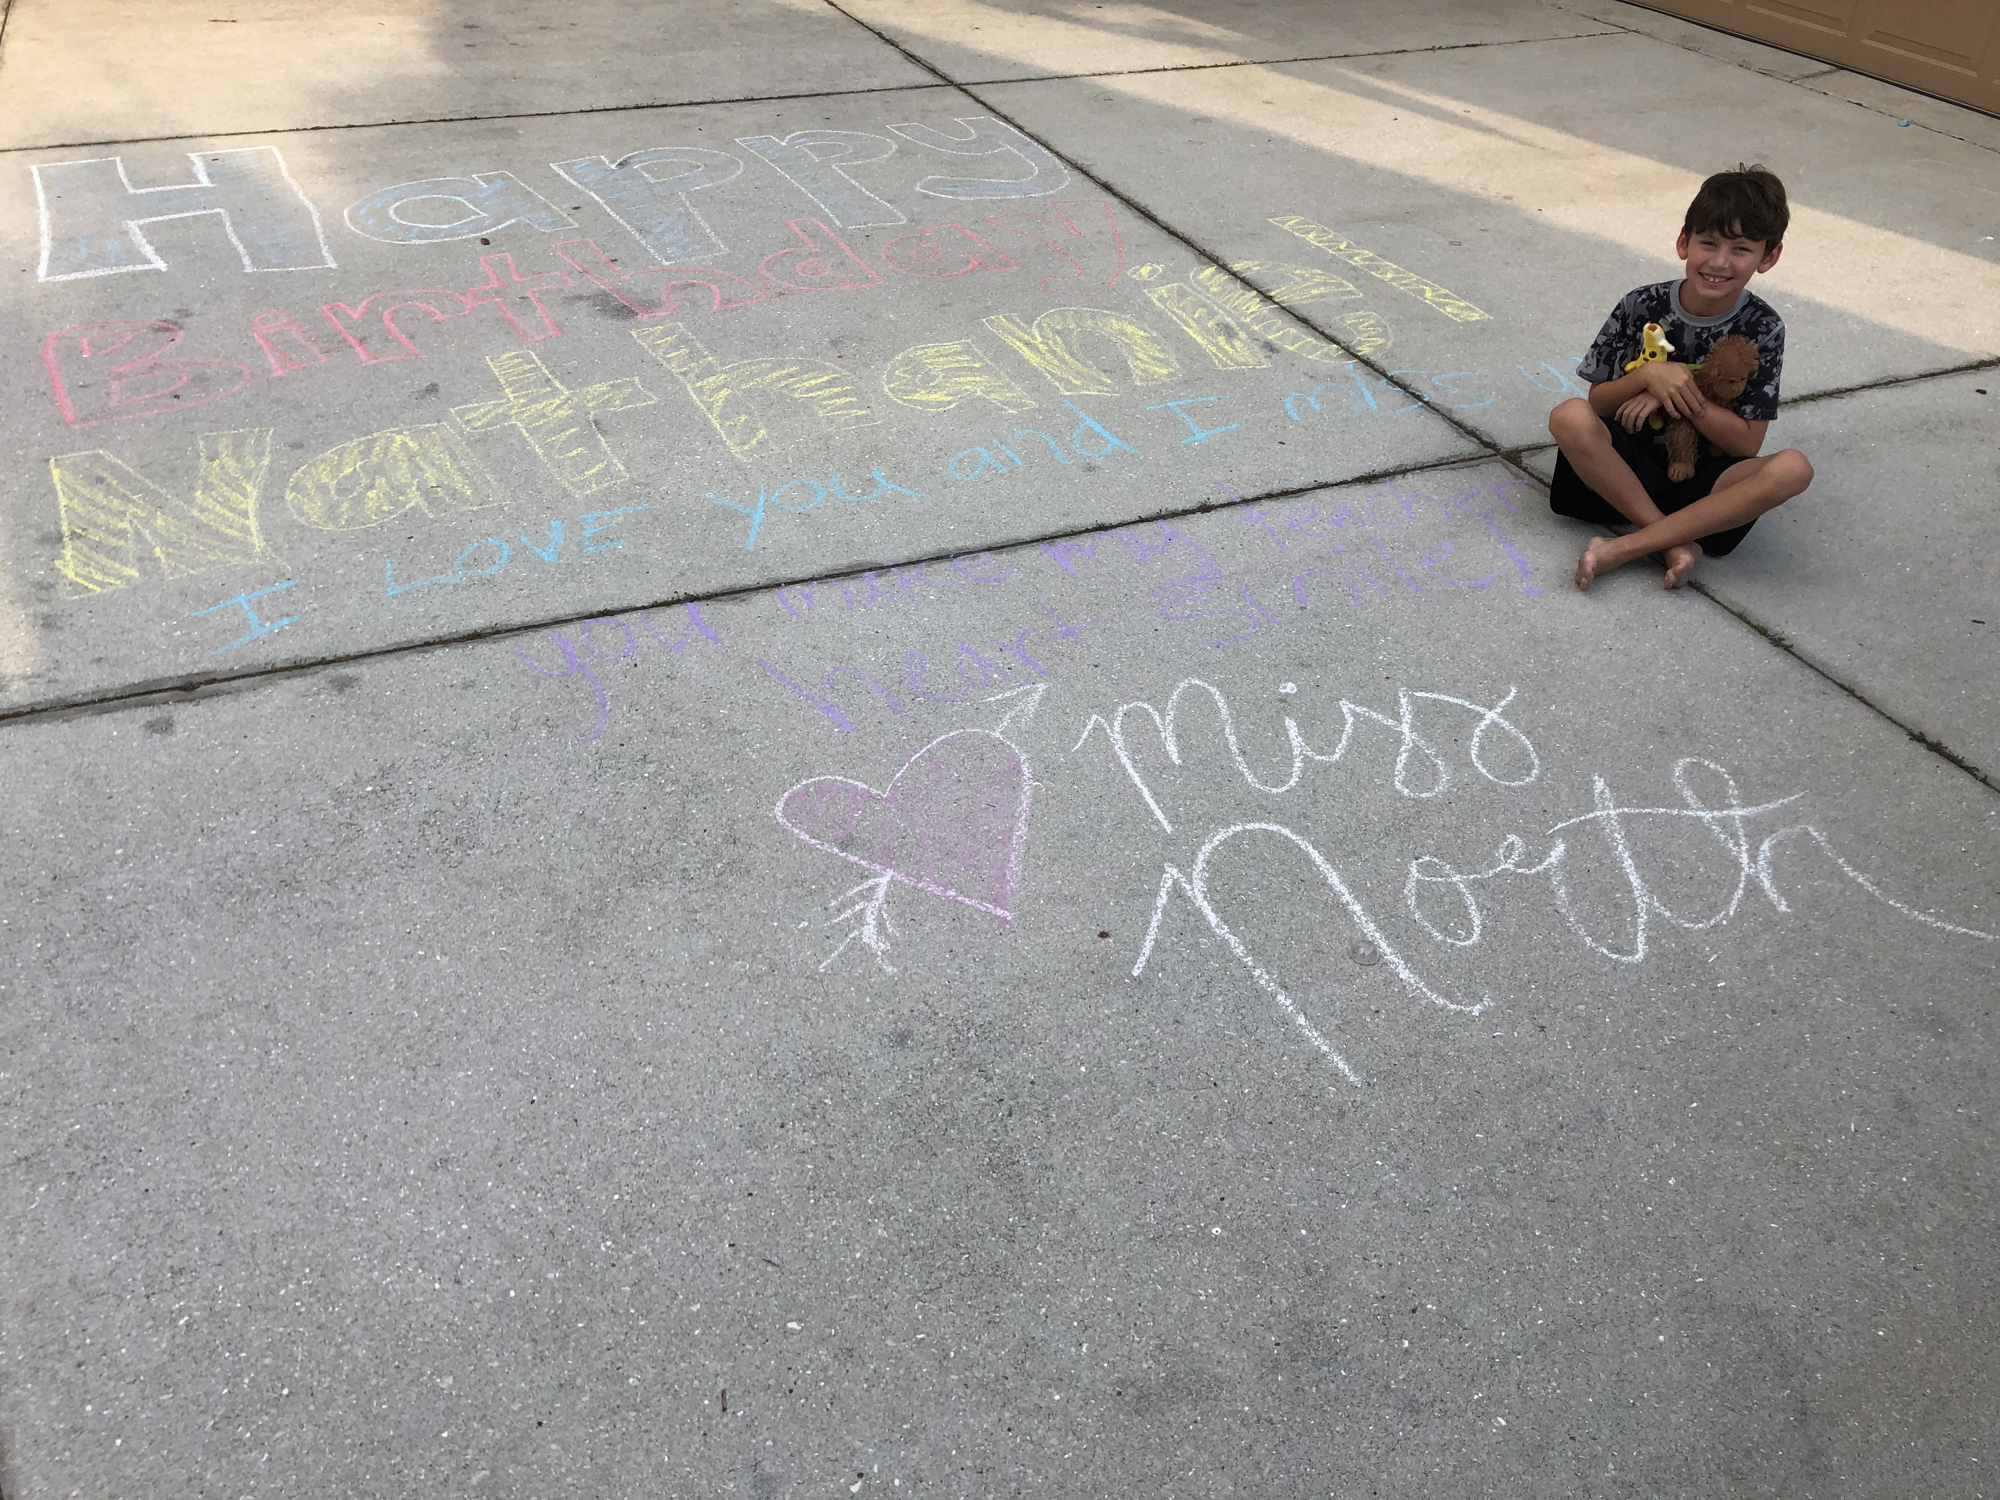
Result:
986,461
818,489
1111,444
988,138
1439,382
555,542
391,588
1200,434
816,162
590,531
460,572
258,627
882,486
756,516
92,216
1054,446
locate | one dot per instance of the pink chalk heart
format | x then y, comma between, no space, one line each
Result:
953,821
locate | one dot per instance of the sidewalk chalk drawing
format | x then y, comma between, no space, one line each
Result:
953,822
1443,901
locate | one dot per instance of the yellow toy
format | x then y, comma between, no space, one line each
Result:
1653,347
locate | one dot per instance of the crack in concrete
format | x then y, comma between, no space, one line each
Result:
1802,80
1509,456
190,686
186,688
779,99
533,114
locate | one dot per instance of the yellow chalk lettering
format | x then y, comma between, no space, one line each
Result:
1259,315
1341,248
1298,284
1221,337
367,481
1047,344
557,422
107,509
938,377
717,390
1366,333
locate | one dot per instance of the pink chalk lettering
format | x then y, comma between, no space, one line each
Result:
286,346
371,326
825,264
1069,230
942,250
115,372
724,290
518,297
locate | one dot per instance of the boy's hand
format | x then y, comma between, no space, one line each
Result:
1673,385
1633,414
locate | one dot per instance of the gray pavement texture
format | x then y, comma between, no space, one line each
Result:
851,755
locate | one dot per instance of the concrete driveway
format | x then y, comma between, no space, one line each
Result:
851,753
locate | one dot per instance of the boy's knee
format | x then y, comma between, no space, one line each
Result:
1573,418
1795,471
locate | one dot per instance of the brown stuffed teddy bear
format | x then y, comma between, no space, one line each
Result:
1721,377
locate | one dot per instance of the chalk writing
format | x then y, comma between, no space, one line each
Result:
939,377
718,390
1261,316
453,208
559,424
367,481
653,203
258,627
1049,344
1412,747
953,822
1221,337
694,629
724,289
1069,232
768,498
819,162
370,327
496,553
1503,754
518,297
1340,247
1715,809
287,347
92,219
109,510
114,372
988,139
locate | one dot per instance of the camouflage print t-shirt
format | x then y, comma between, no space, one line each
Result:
1620,340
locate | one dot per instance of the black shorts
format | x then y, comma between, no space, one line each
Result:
1570,496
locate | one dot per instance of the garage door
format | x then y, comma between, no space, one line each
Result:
1948,47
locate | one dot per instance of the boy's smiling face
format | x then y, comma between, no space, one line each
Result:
1719,266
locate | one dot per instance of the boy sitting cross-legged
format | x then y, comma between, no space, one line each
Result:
1613,468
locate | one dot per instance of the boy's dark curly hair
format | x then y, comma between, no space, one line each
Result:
1748,203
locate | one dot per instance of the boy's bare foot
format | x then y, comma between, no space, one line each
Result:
1680,562
1596,558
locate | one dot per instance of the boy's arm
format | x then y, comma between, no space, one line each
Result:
1670,385
1739,437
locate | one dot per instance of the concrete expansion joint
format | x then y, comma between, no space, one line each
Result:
532,114
1805,80
186,688
1806,659
1264,62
